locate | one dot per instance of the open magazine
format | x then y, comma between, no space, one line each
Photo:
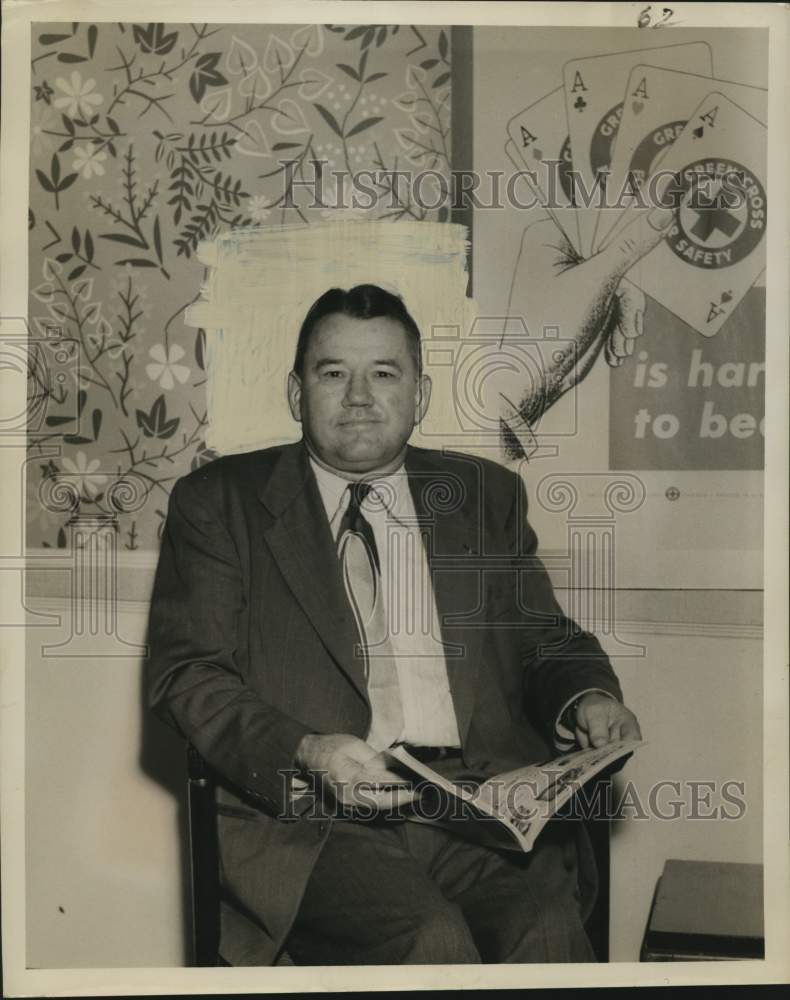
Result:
510,809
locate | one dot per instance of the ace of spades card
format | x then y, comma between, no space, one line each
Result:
657,105
713,177
594,89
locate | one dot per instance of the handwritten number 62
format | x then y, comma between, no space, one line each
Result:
645,19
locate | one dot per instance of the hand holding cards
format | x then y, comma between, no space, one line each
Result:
630,134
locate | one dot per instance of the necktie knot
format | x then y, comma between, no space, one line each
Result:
354,520
358,492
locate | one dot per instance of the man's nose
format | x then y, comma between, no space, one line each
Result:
358,392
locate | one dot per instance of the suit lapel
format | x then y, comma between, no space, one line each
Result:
452,533
301,542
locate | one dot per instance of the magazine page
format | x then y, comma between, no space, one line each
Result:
457,806
402,755
521,801
529,796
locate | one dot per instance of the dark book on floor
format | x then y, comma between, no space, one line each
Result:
706,910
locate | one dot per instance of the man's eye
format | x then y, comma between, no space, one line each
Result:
385,374
333,373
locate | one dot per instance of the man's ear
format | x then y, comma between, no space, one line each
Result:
295,396
424,386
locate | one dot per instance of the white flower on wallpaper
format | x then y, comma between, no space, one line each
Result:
258,208
88,162
79,98
164,368
85,472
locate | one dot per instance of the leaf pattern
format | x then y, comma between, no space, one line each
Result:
150,139
153,38
155,423
205,75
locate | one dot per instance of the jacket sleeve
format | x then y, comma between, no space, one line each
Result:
192,677
560,659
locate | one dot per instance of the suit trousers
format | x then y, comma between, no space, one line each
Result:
399,892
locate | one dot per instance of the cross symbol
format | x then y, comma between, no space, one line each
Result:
672,493
712,217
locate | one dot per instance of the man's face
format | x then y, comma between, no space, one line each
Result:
359,396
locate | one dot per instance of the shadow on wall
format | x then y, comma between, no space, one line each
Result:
163,759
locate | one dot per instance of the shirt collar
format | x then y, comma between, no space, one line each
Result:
390,491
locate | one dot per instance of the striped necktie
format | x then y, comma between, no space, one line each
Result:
354,520
359,558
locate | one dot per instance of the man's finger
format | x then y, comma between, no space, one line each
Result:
612,359
631,306
596,720
636,239
582,738
622,326
630,729
619,343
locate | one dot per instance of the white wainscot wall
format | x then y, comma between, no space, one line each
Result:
105,865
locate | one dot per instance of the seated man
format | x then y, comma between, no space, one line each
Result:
274,564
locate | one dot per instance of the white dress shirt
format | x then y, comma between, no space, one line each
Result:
415,633
412,618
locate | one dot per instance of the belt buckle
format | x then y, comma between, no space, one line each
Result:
427,755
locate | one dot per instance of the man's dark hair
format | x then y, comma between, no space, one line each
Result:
359,302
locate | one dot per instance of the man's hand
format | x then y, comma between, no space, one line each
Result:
601,720
584,299
353,772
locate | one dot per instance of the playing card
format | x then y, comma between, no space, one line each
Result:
525,192
657,105
714,177
594,89
539,135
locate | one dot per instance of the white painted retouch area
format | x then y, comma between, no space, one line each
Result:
260,284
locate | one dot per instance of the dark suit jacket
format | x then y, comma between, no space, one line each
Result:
252,646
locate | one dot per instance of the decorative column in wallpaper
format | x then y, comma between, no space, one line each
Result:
147,139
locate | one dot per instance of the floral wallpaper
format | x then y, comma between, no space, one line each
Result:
147,139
